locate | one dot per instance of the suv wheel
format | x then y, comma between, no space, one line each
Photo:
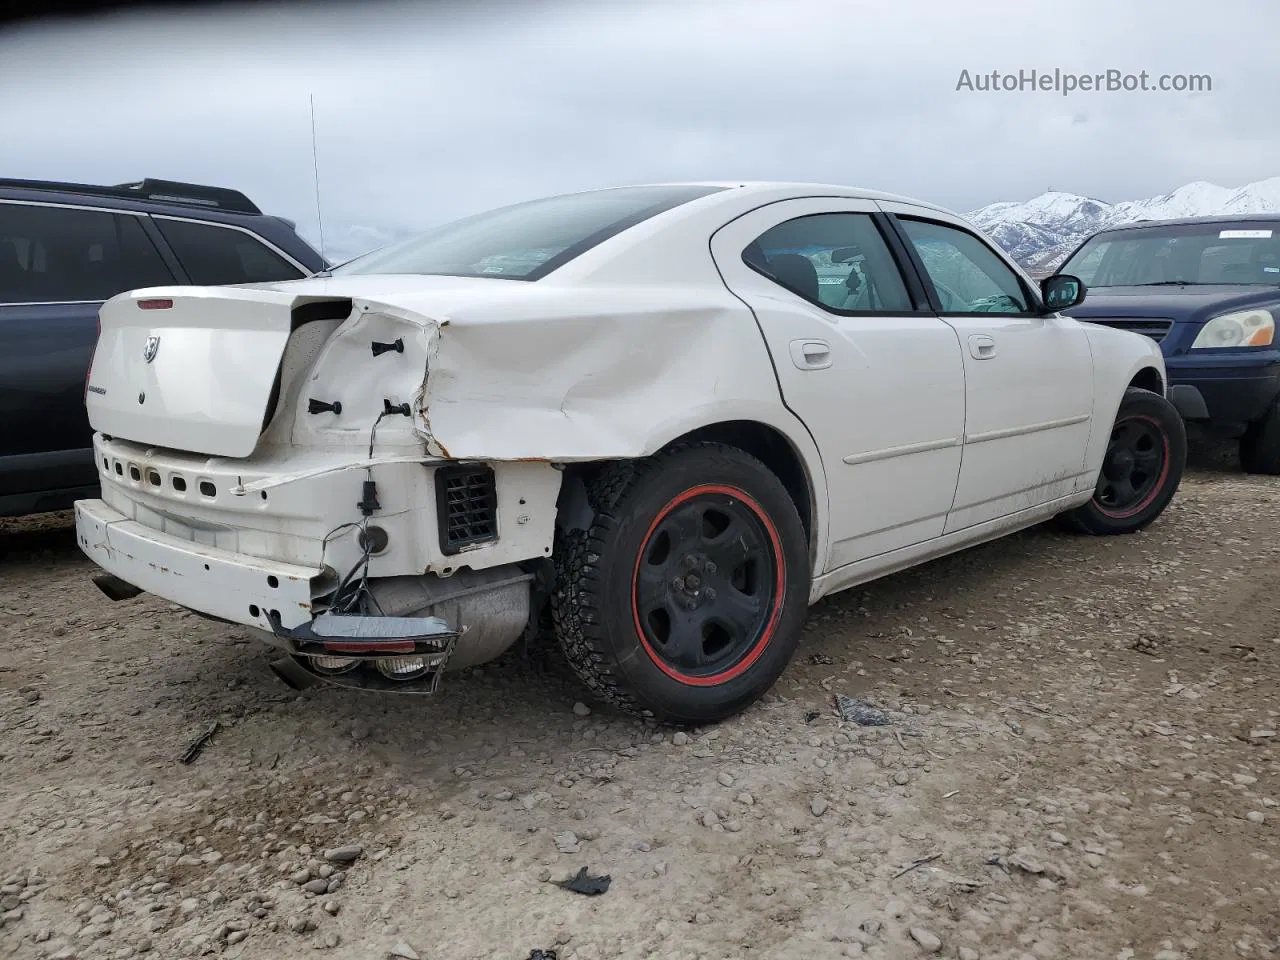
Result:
684,601
1260,445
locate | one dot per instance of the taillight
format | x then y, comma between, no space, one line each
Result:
155,304
92,356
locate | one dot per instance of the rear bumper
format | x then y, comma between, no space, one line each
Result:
216,582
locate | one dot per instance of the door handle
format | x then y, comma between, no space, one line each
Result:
982,347
811,354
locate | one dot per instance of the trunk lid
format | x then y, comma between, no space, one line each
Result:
198,369
191,368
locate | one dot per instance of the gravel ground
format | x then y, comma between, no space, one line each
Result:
1080,761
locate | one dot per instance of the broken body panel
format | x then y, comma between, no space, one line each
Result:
252,429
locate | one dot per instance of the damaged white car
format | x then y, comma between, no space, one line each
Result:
662,419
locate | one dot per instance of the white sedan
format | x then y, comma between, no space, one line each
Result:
662,420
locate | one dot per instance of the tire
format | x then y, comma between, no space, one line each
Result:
1148,445
1260,445
620,586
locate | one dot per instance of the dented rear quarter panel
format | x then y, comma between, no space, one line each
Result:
597,374
508,371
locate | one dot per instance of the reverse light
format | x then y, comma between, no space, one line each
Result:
402,668
334,665
1244,328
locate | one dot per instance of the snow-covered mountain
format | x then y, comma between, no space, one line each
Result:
1040,232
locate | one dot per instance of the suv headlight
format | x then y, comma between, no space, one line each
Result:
1245,328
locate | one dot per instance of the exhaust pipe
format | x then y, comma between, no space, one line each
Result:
114,587
293,674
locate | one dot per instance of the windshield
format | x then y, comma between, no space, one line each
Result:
1196,253
525,241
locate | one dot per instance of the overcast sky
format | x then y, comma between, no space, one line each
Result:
426,112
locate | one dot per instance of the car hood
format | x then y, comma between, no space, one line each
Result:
1186,304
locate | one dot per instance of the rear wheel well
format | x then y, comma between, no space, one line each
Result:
1148,378
773,450
760,441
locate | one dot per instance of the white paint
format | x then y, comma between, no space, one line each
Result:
1028,403
917,440
896,382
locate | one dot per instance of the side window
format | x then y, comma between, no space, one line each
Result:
967,274
59,254
836,260
213,255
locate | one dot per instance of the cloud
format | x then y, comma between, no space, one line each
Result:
426,112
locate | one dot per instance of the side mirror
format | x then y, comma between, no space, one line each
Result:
1062,291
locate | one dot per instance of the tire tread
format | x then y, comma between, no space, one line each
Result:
575,601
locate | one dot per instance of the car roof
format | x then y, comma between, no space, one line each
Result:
148,195
781,189
1192,221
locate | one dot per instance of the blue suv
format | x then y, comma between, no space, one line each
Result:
67,247
1207,289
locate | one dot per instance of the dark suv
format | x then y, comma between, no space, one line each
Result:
67,247
1207,289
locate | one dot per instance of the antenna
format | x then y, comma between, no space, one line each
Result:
315,166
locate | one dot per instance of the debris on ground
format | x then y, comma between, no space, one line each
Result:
198,744
582,882
853,711
914,864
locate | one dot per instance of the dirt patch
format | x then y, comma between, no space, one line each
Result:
1080,762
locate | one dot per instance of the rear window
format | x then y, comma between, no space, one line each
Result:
525,241
64,255
213,256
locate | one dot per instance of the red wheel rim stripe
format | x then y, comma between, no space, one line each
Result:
770,628
1155,491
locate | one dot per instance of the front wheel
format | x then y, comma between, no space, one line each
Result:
1260,445
684,600
1141,470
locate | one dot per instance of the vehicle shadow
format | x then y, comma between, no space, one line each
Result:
48,535
1210,455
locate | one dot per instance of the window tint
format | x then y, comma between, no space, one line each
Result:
52,254
837,260
968,275
528,240
218,255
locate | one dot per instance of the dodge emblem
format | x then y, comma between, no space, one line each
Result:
150,350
